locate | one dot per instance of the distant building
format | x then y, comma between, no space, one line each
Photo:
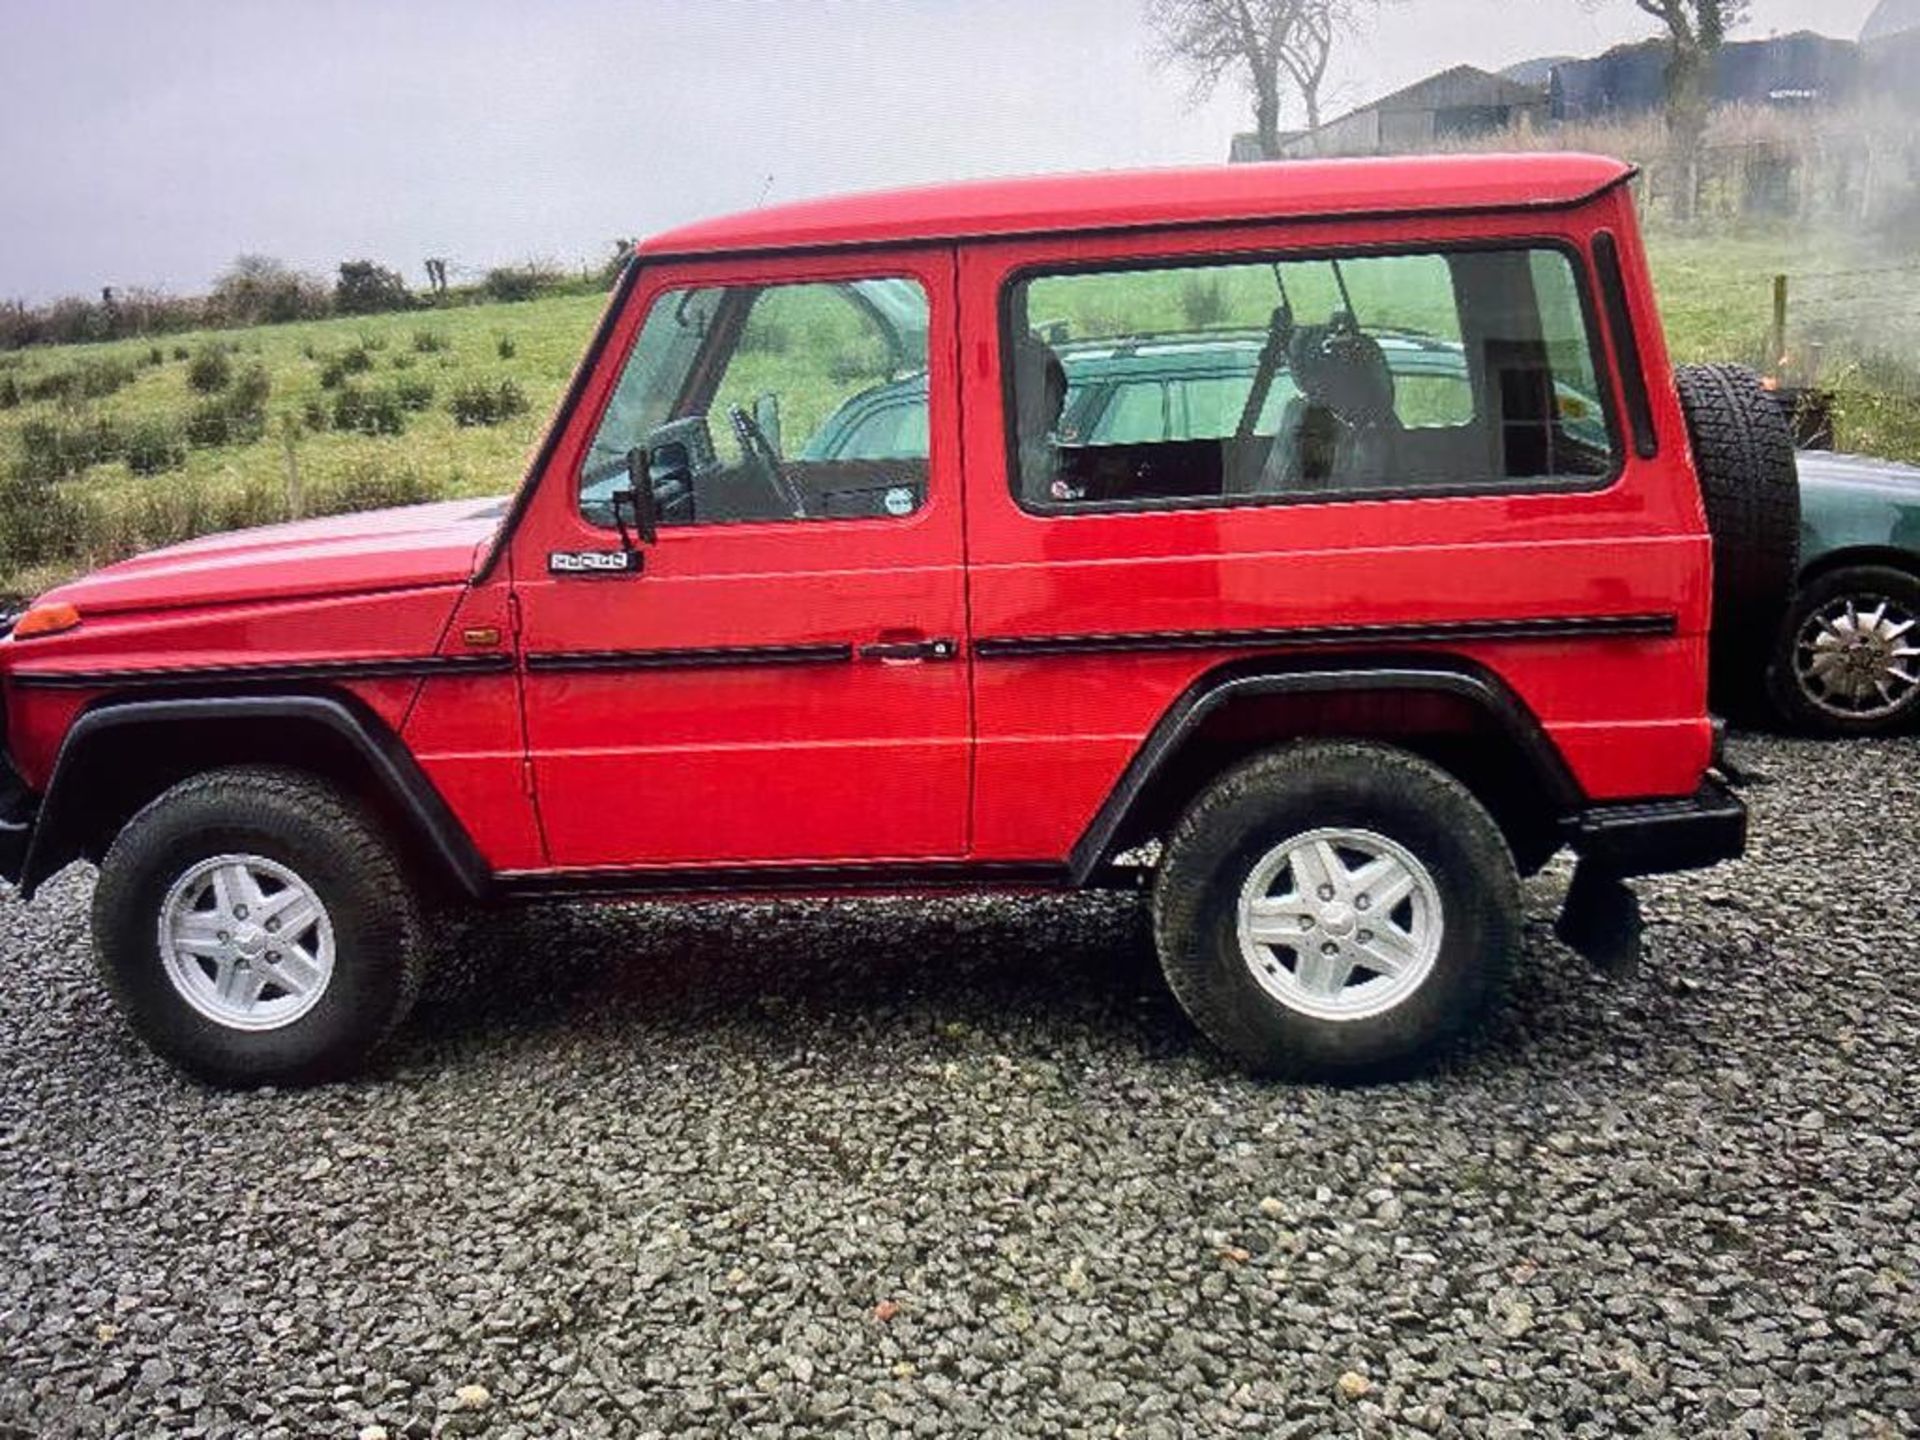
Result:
1893,18
1456,103
1787,70
1890,43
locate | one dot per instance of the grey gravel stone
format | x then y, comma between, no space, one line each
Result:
958,1166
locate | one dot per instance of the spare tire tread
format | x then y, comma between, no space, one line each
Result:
1750,486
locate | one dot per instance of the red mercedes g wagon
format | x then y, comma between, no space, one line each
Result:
814,587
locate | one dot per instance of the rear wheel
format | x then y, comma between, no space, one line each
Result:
255,926
1336,911
1848,659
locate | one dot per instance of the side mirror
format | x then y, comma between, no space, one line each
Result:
766,415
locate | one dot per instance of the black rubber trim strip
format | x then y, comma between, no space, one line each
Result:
704,658
1015,647
55,839
583,373
1444,675
1359,216
1626,345
783,879
292,672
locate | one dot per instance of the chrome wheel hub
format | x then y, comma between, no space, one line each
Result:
1340,924
1854,658
246,942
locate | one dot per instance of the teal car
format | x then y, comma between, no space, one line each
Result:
1848,658
1843,664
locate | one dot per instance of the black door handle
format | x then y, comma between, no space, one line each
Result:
909,650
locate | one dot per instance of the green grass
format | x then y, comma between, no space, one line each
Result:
1715,298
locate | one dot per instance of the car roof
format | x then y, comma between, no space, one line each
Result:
1134,199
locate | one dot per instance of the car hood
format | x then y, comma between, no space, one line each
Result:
1820,469
407,548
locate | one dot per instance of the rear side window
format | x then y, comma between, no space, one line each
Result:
1302,378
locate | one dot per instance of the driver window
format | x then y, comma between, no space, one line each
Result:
771,403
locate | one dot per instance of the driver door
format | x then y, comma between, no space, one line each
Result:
781,680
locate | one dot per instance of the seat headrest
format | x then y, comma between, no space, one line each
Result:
1039,386
1345,371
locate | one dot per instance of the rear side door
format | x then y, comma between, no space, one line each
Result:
781,682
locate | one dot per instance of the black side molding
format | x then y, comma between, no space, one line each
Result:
289,673
1432,674
701,658
55,837
1551,627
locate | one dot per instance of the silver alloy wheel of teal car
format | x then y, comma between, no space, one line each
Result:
1855,657
246,942
1340,924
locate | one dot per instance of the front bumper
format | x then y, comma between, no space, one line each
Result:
1652,837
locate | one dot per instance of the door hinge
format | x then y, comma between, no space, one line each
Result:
526,776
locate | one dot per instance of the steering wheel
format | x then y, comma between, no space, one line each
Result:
759,451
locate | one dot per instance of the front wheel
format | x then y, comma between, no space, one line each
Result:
255,927
1848,659
1336,911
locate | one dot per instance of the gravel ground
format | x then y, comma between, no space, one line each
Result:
892,1168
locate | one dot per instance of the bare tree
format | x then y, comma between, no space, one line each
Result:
1273,47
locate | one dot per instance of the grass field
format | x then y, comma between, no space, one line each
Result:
337,391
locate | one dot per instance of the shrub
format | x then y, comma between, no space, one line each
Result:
353,361
505,347
56,449
237,418
250,391
370,486
402,361
154,446
156,356
518,282
210,369
39,522
314,414
365,288
413,394
180,352
260,290
1203,302
89,380
9,392
425,342
368,412
478,403
766,336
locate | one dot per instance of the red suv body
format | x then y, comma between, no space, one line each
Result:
977,655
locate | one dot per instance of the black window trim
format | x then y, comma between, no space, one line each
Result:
574,483
1626,345
1575,254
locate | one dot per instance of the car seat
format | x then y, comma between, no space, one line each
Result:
1341,431
1039,397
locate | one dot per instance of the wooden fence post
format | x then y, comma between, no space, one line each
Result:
1777,337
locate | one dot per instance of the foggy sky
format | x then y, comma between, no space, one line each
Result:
147,142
